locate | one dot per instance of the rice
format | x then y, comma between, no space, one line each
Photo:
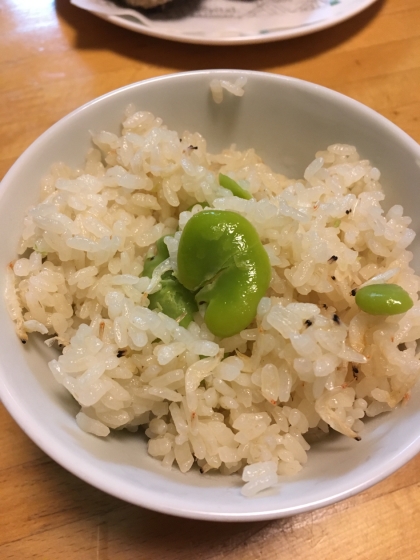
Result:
235,88
309,362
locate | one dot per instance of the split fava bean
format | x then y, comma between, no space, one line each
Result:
172,299
383,299
221,257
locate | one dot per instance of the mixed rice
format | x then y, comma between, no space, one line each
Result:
311,359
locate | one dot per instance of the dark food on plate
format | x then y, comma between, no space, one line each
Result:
145,3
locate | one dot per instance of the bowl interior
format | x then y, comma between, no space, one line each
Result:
286,121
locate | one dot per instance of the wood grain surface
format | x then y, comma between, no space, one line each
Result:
55,57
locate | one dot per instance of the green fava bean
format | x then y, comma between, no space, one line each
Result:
172,299
228,183
383,299
221,255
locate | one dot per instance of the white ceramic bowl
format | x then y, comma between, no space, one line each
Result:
286,121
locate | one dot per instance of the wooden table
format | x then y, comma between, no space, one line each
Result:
55,57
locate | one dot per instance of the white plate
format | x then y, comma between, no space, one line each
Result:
229,22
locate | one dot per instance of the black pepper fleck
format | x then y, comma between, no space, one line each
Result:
333,259
333,278
308,322
348,212
336,318
353,292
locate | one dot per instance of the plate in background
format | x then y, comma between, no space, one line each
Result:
284,19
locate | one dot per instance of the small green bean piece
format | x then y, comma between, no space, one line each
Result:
172,299
228,183
221,255
383,299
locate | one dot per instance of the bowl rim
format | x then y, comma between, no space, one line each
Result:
61,455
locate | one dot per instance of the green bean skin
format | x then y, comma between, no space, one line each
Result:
172,299
220,255
383,299
228,183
